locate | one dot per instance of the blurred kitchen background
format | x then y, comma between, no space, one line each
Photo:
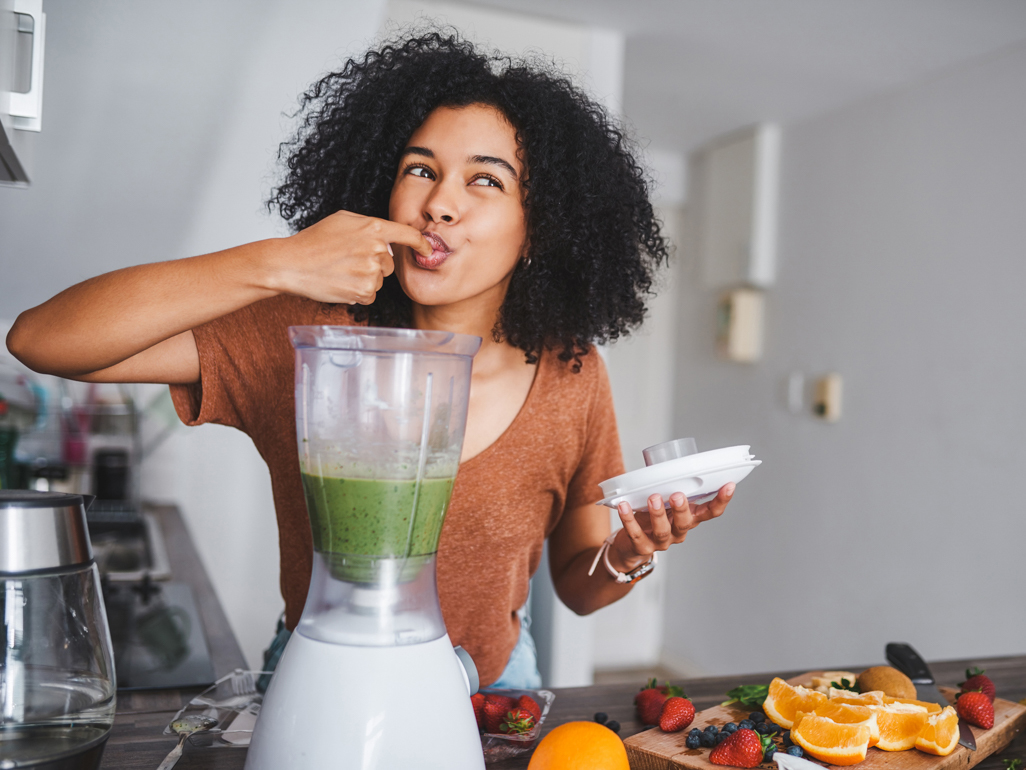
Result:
845,184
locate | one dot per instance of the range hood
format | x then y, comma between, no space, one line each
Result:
22,36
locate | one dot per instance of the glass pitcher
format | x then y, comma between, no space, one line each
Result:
57,683
380,417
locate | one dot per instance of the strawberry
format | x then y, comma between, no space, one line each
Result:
743,748
975,679
517,722
976,709
477,700
495,709
528,703
677,714
651,699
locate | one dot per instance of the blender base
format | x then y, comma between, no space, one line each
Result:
332,705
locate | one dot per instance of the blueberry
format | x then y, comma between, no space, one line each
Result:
746,724
613,725
708,740
693,741
601,717
763,729
795,751
721,737
773,727
770,751
786,735
712,729
757,716
730,727
695,731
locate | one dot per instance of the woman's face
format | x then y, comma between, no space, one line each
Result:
459,183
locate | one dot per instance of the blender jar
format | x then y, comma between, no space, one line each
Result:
57,683
380,417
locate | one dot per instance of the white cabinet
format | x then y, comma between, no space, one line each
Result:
22,37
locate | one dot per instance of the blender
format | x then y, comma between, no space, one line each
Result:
370,678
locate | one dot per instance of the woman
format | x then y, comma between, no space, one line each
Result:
433,187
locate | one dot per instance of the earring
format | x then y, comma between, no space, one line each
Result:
526,261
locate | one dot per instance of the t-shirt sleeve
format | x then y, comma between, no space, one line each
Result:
237,353
210,399
602,457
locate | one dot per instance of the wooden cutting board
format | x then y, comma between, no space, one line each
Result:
656,750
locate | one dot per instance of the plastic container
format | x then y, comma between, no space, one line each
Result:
498,746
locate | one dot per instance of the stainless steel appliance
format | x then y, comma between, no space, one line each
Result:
57,683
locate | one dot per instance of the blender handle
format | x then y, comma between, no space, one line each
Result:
469,669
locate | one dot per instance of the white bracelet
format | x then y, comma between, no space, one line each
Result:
621,577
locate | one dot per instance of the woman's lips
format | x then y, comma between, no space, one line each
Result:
440,251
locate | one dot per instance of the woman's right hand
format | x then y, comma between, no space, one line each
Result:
343,258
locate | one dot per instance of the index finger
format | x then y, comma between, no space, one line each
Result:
396,232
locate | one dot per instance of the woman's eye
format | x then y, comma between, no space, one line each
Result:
486,181
421,171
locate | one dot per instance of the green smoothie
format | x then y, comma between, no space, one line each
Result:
371,517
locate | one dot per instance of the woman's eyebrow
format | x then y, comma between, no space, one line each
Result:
424,151
494,162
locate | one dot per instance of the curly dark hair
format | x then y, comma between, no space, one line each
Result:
594,241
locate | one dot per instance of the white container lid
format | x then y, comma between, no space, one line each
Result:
699,476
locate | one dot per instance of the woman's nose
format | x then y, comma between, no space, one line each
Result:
441,206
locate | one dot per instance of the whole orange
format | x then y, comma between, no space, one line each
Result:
580,746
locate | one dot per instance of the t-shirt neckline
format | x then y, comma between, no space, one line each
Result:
520,416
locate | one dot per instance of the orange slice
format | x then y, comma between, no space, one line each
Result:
872,698
784,701
830,742
847,714
940,734
900,725
931,708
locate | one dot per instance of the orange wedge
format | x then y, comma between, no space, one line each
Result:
830,742
872,698
784,701
940,734
900,725
846,714
931,708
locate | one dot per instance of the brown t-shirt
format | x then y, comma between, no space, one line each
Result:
506,500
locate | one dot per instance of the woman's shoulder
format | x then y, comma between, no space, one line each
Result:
577,382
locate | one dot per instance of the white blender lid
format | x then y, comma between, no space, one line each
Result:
699,476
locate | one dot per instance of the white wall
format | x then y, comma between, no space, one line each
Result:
901,267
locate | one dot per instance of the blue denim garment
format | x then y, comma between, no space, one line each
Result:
521,672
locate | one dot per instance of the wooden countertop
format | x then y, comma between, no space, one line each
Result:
137,741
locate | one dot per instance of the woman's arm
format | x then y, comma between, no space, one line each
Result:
134,325
579,535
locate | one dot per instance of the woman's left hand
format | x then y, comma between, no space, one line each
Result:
645,533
